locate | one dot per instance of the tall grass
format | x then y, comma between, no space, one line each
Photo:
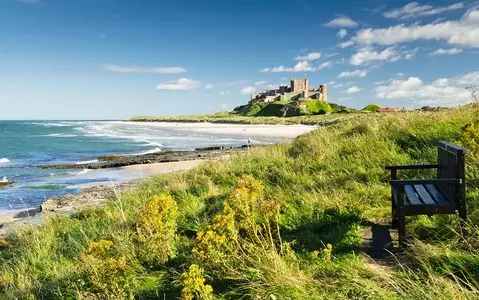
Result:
282,222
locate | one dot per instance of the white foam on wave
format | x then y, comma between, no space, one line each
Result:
82,172
55,124
4,160
61,135
148,152
87,162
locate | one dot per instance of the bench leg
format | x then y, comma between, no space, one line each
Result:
394,214
402,231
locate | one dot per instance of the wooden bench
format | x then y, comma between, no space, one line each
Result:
444,195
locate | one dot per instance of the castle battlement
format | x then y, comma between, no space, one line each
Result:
298,89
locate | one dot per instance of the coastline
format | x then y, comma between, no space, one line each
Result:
93,195
133,168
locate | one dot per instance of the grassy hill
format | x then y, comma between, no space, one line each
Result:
284,222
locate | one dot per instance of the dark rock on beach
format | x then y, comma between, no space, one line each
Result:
116,161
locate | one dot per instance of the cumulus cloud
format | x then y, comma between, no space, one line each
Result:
346,44
443,91
352,90
262,82
451,51
209,86
415,10
224,93
309,57
356,73
302,66
463,32
342,33
144,70
248,90
341,22
178,85
368,54
326,64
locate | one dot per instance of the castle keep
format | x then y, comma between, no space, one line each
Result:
299,89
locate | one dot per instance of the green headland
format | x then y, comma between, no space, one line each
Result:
297,220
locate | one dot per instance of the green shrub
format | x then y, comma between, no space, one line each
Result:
372,107
318,107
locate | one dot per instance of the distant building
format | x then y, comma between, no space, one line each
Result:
387,109
298,89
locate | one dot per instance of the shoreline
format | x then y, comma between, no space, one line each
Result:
134,168
94,195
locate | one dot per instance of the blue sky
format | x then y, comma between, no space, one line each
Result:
112,59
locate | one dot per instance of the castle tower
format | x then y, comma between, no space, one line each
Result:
299,85
323,88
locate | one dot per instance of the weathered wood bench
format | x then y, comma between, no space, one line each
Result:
445,194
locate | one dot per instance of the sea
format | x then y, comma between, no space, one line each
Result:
26,145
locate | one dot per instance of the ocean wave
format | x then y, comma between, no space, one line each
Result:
82,172
87,162
4,160
147,152
55,124
61,135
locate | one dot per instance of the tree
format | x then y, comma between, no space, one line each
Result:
474,89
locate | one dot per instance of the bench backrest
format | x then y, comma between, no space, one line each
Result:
451,161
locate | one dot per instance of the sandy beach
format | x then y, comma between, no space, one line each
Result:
91,195
128,174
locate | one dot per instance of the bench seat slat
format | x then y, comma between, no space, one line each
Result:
411,196
424,195
437,195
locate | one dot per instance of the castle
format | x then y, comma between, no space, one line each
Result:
299,89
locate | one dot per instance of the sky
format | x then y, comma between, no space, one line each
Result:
113,59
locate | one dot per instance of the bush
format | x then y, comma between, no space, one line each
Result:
317,107
372,107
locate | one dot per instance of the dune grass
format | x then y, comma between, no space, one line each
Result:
231,118
282,222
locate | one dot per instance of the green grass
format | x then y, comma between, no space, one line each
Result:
45,187
264,236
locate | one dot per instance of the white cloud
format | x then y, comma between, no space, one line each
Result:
463,32
410,54
209,86
178,85
415,10
342,33
341,22
451,51
368,54
352,90
326,64
356,73
145,70
341,85
263,82
224,93
302,66
248,90
310,56
346,44
443,91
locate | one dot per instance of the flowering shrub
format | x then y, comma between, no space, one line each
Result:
470,136
156,229
247,226
106,275
194,286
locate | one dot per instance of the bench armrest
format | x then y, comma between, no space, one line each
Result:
412,167
424,181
